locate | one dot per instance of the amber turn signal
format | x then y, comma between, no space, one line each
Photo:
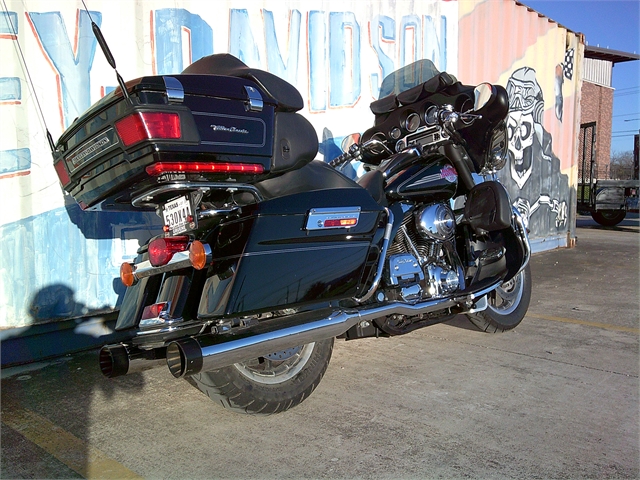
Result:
197,255
126,274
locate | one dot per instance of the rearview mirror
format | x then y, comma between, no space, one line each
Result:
349,140
483,94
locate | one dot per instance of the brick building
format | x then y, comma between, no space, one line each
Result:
596,111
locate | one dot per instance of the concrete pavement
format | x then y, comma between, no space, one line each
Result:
558,397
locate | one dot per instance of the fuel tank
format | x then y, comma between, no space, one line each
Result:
433,181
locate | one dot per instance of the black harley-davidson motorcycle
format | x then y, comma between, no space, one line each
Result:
268,255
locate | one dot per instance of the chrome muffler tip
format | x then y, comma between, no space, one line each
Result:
184,357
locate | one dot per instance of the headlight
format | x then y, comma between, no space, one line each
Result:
496,157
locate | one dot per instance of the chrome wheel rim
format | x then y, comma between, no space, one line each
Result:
506,298
277,367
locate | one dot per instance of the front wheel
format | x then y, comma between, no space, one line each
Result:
609,218
508,305
270,384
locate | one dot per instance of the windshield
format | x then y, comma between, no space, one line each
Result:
407,77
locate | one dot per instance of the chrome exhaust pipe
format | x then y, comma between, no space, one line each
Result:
192,355
121,359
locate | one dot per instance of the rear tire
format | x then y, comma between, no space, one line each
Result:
270,384
609,218
508,305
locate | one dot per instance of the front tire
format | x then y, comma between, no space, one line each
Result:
270,384
609,218
508,305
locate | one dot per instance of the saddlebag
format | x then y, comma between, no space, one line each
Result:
220,121
285,252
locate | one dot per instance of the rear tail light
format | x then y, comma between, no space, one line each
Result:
63,175
204,167
141,126
161,250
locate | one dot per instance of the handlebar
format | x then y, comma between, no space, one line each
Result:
352,153
447,118
355,151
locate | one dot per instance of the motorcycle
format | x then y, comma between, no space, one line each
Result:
268,255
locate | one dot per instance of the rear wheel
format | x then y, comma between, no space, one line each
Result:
508,305
270,384
609,218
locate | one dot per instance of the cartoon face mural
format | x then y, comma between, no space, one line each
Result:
533,178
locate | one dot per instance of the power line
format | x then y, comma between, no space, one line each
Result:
626,94
626,88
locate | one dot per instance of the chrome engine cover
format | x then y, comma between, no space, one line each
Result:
423,262
405,272
436,222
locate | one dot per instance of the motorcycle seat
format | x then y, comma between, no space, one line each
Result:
373,182
315,175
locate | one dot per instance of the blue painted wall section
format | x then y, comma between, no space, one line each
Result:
10,89
14,162
8,23
63,263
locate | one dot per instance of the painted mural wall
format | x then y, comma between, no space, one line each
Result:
540,64
59,262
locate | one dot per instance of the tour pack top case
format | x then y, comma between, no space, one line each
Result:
217,121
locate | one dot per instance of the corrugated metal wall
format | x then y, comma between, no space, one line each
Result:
58,262
598,71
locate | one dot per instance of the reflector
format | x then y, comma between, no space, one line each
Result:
63,175
141,126
204,167
161,250
153,311
340,222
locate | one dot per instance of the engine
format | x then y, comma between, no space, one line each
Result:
422,262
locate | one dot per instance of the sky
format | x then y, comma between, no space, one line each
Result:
610,24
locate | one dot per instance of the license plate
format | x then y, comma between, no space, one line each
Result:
178,216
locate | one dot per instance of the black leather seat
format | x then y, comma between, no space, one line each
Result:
315,175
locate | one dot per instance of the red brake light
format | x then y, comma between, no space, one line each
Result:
141,126
204,167
161,250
